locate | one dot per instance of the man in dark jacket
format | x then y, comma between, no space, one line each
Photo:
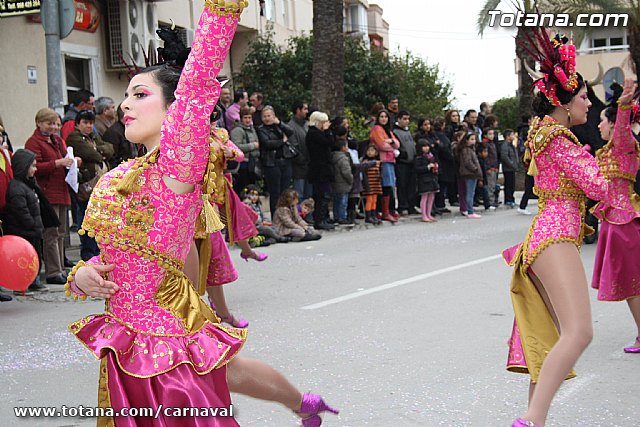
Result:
510,162
300,163
22,216
83,100
405,171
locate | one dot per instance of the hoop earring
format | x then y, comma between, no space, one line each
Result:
569,116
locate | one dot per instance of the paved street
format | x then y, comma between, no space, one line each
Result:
401,325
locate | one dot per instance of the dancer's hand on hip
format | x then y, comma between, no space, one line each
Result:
89,280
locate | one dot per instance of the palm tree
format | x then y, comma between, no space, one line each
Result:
327,80
629,7
525,93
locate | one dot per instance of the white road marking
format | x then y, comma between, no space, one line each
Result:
399,283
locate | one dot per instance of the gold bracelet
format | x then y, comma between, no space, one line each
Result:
625,106
70,278
225,8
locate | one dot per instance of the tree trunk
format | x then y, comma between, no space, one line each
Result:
525,83
327,81
634,43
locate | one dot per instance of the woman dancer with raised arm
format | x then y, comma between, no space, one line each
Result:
160,345
616,272
549,287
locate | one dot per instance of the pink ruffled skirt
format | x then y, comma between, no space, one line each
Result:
616,272
240,218
221,267
174,391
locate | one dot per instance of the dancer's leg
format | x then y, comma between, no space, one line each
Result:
561,273
245,248
634,306
216,294
259,380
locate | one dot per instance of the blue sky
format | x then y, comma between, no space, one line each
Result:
445,32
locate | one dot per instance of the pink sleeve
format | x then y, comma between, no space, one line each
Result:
624,143
238,154
184,140
579,166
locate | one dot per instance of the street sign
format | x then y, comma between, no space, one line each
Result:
66,17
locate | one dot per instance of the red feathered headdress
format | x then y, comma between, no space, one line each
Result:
557,59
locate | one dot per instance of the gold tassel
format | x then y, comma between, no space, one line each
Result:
210,216
204,259
533,168
129,183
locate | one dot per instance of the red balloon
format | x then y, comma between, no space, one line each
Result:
19,263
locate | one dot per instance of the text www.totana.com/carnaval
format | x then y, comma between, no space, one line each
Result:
92,412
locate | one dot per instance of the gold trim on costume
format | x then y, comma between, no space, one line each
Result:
104,398
225,8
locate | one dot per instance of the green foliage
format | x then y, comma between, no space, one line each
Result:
357,125
422,92
506,109
283,75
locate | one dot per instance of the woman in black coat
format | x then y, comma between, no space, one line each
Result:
447,171
321,175
274,156
22,215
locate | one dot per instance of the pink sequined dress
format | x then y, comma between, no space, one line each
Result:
616,272
159,343
564,175
239,218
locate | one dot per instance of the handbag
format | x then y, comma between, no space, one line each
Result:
47,213
86,188
289,151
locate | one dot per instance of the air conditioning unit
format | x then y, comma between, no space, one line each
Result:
150,21
131,30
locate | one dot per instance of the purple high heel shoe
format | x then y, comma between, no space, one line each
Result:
523,423
231,320
633,349
258,256
312,406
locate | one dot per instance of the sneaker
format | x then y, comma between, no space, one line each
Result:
58,279
5,297
492,208
25,293
37,287
473,216
463,213
524,211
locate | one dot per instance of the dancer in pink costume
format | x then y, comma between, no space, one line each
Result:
158,342
238,218
549,287
616,273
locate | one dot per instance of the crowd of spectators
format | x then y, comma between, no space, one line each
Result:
316,175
